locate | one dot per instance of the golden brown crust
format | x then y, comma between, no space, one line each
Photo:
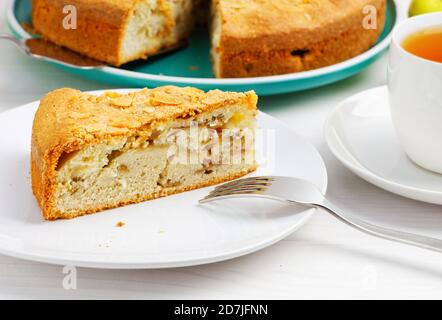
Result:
261,38
101,26
67,120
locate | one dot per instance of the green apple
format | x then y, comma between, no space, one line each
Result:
425,6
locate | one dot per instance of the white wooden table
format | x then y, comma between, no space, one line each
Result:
325,259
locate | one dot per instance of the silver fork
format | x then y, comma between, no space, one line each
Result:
300,192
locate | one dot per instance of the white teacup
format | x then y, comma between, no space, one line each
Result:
415,87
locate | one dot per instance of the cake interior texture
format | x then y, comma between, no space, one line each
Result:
154,25
146,165
157,159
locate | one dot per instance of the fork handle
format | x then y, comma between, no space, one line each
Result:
381,232
17,42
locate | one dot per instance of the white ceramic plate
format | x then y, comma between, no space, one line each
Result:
168,232
361,135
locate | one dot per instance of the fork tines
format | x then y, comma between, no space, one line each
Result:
253,185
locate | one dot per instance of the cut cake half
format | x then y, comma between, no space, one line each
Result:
114,31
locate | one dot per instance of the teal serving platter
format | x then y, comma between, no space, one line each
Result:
191,66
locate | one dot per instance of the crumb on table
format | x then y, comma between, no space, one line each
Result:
120,224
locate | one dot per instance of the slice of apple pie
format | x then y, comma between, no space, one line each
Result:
91,153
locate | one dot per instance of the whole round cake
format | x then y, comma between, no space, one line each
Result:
249,38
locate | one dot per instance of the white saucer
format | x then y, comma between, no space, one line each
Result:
361,135
169,232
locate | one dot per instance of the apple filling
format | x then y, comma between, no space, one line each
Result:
176,155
